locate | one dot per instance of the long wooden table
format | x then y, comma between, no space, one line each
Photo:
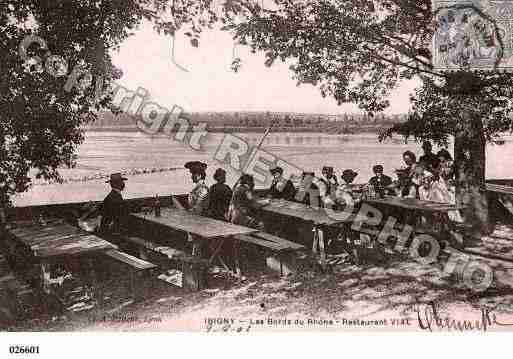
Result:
436,213
206,228
59,239
319,217
37,249
414,204
185,221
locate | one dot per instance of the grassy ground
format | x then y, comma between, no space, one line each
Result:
390,290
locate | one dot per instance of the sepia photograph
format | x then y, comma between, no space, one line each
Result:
238,167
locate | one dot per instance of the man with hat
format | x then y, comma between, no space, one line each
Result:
219,196
280,187
113,208
198,197
380,181
348,177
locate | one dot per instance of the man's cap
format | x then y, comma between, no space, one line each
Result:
308,173
276,169
219,173
349,173
196,166
116,177
328,169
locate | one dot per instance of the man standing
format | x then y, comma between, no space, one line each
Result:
280,187
219,196
113,208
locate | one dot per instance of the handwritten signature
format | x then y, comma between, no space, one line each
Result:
430,319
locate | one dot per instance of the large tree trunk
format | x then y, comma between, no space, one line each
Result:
469,159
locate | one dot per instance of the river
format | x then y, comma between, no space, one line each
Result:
106,152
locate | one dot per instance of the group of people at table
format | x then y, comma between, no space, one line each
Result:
430,178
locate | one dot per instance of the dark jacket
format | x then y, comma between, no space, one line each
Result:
288,192
112,211
219,200
381,183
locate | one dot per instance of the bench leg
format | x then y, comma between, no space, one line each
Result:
236,257
193,277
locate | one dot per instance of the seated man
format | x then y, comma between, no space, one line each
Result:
380,181
220,195
281,187
113,208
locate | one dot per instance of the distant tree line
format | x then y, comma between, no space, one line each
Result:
219,120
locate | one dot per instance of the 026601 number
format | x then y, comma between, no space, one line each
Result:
24,349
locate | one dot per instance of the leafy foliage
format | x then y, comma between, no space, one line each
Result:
40,121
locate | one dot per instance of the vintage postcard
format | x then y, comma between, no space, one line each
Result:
255,166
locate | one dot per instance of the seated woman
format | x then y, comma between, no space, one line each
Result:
243,204
447,179
410,160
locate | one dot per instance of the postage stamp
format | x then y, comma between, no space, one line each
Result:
473,34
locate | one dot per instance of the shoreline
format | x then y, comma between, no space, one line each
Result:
346,131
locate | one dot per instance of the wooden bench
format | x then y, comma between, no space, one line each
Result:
140,270
281,254
194,269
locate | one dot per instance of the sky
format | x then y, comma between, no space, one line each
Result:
210,85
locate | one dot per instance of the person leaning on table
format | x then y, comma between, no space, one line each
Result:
244,204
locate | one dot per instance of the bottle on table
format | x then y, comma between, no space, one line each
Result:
157,206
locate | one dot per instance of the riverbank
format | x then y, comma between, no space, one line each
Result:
344,130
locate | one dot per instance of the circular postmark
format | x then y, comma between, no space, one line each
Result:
467,37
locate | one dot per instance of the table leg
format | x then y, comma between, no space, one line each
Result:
315,240
216,250
322,251
236,255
